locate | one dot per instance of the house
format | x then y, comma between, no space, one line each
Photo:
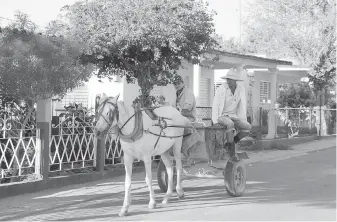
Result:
261,77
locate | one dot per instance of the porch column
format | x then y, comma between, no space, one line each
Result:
272,124
196,82
244,76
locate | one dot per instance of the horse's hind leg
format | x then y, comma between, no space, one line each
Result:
148,179
177,157
128,160
169,169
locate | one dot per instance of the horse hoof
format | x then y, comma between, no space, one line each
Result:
152,205
181,195
165,201
123,213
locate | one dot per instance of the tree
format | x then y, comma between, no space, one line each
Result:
36,66
144,40
301,30
296,95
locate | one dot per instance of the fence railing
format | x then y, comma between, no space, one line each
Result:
292,122
113,150
289,122
20,148
72,144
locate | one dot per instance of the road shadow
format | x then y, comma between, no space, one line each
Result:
306,187
196,197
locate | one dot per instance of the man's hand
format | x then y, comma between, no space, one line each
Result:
178,108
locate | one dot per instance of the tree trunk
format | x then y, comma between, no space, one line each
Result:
145,88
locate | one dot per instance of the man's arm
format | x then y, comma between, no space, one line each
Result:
216,103
242,108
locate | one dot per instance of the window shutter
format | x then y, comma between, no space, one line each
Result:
79,95
265,91
205,89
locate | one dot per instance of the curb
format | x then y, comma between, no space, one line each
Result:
278,143
19,188
275,155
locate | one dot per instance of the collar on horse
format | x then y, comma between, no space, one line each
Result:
138,128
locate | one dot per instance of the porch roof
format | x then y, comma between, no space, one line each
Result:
284,71
227,60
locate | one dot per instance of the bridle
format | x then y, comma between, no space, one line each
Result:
112,113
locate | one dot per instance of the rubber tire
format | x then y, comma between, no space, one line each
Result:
162,177
229,178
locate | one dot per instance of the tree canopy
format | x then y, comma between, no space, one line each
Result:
144,40
36,66
296,95
301,30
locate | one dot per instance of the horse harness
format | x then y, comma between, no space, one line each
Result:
137,133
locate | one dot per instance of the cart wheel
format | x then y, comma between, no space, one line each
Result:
235,178
162,177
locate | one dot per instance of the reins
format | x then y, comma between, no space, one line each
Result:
161,121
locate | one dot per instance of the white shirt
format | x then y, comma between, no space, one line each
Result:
225,102
231,101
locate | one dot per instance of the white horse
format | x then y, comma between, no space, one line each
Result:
114,114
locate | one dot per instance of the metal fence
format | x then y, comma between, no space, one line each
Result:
20,148
289,122
113,150
72,144
292,122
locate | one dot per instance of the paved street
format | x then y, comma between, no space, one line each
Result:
298,188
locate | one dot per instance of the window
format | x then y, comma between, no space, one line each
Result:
79,95
205,89
265,92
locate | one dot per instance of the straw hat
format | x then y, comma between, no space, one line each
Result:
233,74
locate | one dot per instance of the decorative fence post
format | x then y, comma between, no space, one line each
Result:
320,122
310,118
100,154
38,153
260,123
43,118
287,122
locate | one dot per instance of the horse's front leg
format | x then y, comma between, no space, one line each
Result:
128,161
148,179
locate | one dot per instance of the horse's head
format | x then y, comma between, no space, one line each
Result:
107,115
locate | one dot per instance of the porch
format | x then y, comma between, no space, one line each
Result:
261,78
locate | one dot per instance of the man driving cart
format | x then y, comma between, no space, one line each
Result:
229,109
186,104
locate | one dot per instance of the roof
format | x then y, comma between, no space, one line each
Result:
224,53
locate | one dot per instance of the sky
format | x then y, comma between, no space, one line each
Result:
227,20
42,11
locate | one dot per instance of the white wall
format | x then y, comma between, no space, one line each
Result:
110,88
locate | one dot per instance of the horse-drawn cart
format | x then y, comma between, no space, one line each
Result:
158,130
216,164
